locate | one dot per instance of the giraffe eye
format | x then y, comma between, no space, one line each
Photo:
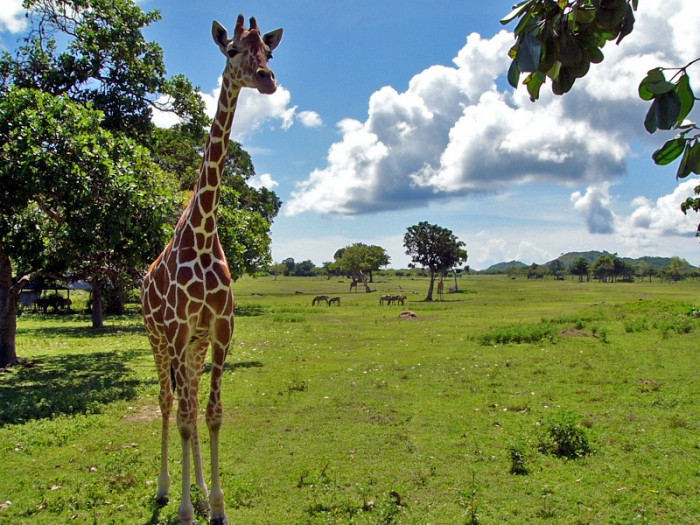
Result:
269,55
232,51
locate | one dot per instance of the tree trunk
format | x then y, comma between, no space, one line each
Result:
8,313
429,297
455,272
97,316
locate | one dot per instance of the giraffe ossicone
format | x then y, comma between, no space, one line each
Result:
186,294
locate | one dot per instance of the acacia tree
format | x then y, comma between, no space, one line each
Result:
559,40
435,248
73,198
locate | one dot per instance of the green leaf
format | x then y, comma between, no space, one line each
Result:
669,151
518,10
627,24
683,170
693,156
513,74
534,82
686,96
653,76
663,112
529,53
650,120
661,87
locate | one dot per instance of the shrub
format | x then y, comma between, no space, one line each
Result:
564,437
518,458
519,334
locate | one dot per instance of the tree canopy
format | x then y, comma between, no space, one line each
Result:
359,260
435,248
104,59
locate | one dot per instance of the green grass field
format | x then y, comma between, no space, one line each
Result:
354,415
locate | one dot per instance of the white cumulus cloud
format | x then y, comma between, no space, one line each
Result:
263,180
456,130
12,16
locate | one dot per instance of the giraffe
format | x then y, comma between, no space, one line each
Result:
186,294
441,287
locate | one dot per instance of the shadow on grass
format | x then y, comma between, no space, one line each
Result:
70,330
66,384
235,365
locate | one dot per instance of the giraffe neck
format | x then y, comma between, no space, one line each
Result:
201,214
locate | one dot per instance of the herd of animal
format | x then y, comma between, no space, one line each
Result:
330,301
384,299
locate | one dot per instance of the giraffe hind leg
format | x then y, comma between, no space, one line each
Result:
165,402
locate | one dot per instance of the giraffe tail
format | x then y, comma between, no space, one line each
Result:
172,378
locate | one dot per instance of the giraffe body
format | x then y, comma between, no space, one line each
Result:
186,294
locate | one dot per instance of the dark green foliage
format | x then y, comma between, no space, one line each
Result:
560,40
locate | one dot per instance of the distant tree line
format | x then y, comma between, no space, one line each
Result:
606,268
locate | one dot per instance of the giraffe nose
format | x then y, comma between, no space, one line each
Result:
265,74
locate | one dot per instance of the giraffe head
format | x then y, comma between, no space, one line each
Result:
247,54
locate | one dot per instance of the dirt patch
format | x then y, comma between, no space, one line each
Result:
143,414
408,315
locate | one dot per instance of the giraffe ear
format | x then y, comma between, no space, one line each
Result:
218,32
273,38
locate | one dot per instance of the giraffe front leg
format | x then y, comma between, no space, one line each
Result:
202,505
196,357
214,418
185,426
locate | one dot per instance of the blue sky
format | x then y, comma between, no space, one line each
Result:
393,112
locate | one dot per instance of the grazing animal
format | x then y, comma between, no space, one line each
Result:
186,293
318,299
353,286
441,289
385,299
334,300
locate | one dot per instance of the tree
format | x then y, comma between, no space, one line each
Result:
360,260
556,267
73,199
304,269
646,270
580,267
245,215
277,269
604,268
559,40
676,270
435,248
105,61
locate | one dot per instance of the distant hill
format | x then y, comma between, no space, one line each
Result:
505,266
568,259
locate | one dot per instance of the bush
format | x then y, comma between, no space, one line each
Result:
564,437
518,457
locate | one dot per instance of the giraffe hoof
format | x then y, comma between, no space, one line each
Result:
162,500
221,520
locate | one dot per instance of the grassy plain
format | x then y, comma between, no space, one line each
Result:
354,415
